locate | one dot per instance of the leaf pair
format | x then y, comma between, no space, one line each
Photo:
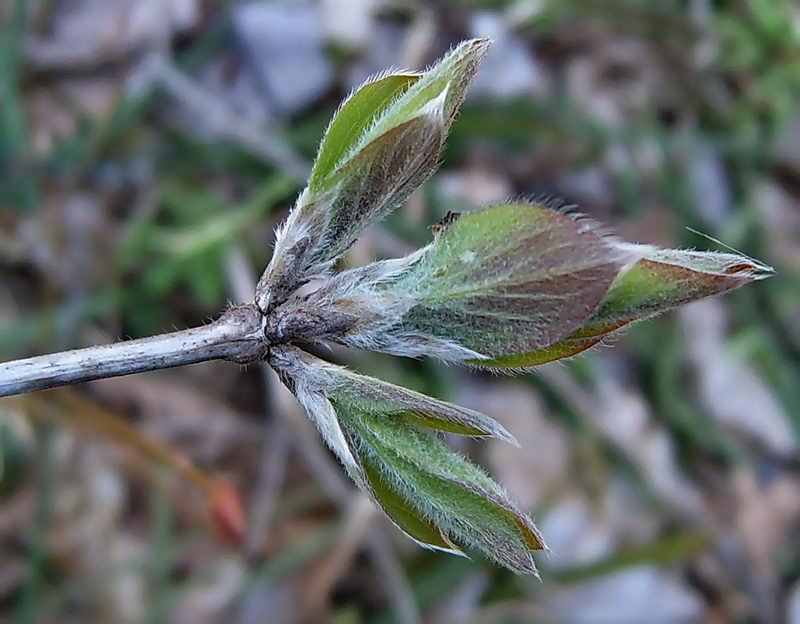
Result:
383,435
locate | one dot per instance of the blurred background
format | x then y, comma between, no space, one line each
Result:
149,147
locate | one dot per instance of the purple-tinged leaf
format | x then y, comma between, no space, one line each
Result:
510,278
383,143
662,279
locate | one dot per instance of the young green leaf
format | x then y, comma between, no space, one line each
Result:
564,348
304,372
353,119
383,434
509,286
507,279
378,178
407,519
436,484
662,279
383,142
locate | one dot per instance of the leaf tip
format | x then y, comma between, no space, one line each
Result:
500,433
750,267
479,45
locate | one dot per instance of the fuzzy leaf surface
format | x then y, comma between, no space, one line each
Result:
510,278
662,279
443,487
379,177
405,517
382,144
344,387
353,118
429,491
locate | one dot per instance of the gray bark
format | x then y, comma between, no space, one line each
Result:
236,336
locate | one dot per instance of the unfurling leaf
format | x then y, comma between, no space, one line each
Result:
383,142
306,373
440,486
385,436
507,279
662,279
509,286
353,118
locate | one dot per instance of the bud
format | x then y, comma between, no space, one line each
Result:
507,279
383,142
662,279
383,434
511,286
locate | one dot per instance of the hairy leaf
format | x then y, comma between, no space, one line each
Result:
510,286
510,278
450,77
353,119
564,348
383,143
444,488
385,437
306,373
378,178
405,517
662,279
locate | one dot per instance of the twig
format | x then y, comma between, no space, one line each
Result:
235,336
